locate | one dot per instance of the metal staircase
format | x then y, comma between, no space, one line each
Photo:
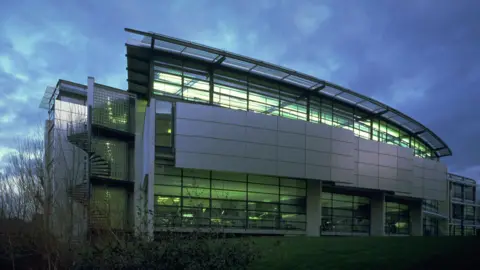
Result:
99,167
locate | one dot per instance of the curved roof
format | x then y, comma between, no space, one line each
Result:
236,61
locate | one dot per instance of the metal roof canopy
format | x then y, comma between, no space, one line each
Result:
250,65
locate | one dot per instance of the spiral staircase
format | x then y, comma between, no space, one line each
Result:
99,167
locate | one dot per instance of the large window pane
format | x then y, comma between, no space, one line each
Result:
345,214
397,218
262,202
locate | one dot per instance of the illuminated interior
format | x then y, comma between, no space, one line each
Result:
199,198
232,90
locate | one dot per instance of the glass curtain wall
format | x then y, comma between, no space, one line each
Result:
199,198
397,218
190,81
430,226
430,205
457,191
345,214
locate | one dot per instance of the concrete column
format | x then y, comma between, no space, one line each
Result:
416,218
314,207
139,172
377,212
150,164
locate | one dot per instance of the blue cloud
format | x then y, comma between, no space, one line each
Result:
421,57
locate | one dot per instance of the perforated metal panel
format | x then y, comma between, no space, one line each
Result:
111,109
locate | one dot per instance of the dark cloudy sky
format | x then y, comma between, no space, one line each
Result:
421,57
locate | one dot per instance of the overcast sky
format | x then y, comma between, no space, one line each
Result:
420,57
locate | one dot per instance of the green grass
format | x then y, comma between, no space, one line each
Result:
367,252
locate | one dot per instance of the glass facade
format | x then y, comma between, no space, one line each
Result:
199,198
457,211
469,193
183,80
458,230
345,214
397,218
430,226
430,205
457,191
163,126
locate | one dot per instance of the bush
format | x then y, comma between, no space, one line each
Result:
172,251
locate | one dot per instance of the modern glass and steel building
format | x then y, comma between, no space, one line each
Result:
206,138
464,209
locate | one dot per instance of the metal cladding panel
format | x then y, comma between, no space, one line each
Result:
261,144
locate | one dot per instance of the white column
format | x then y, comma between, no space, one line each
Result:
314,207
150,163
140,188
377,219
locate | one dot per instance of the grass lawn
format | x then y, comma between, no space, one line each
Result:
367,252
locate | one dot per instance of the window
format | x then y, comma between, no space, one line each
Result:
430,226
457,211
397,218
345,214
163,124
469,193
430,205
202,198
457,191
469,213
184,80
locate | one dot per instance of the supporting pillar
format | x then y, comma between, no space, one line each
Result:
314,207
416,218
377,210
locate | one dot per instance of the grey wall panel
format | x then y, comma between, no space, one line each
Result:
368,170
260,151
259,166
405,163
194,111
343,135
387,160
404,175
342,162
318,172
220,115
343,148
230,140
387,149
387,184
318,158
291,126
291,154
291,169
343,176
260,136
318,144
368,182
291,140
368,157
261,121
209,129
405,152
209,162
318,130
387,172
210,146
367,145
